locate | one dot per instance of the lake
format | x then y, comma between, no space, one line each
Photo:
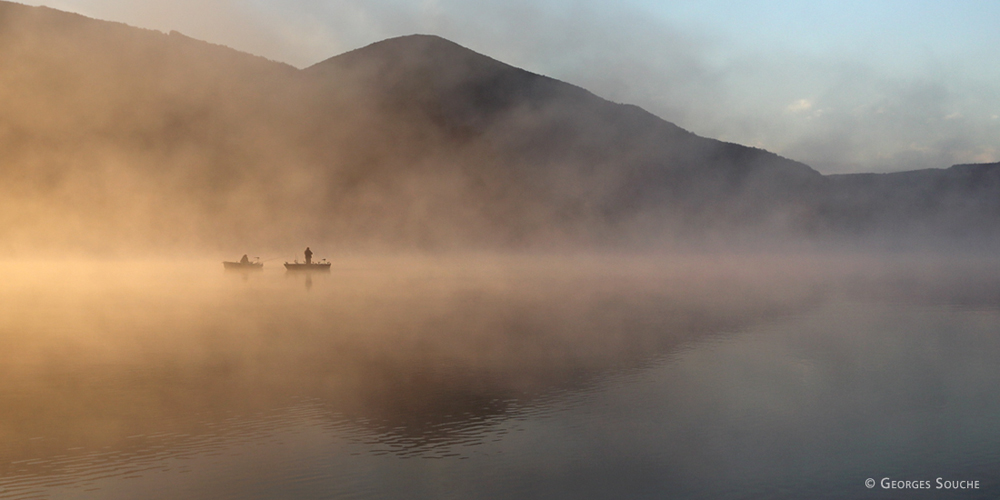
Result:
511,376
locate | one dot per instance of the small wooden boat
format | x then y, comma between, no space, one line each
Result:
314,266
243,266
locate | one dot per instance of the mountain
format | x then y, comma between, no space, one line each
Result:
960,204
122,139
117,137
539,155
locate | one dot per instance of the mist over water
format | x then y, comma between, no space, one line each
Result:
534,293
497,376
125,142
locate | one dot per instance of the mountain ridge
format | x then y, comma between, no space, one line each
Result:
117,137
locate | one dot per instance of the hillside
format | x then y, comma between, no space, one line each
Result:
121,139
960,204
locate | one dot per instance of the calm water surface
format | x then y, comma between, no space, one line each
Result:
500,377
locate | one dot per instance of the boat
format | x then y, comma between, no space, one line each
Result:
243,266
309,265
312,266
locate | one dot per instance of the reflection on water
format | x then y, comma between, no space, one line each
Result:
496,377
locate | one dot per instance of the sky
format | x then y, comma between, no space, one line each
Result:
844,86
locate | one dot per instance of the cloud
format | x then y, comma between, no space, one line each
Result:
800,106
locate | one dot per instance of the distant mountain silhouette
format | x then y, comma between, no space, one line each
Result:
958,204
121,138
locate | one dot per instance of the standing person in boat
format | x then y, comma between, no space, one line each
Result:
309,256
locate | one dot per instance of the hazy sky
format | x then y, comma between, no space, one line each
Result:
842,85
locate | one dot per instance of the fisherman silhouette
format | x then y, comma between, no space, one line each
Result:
245,259
309,256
